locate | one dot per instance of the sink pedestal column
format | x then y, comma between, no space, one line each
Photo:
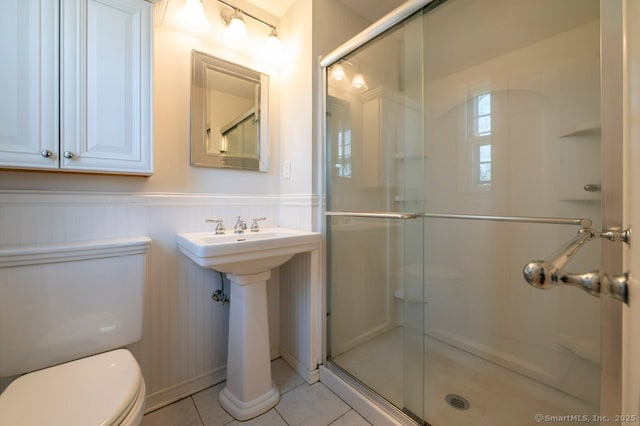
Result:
249,391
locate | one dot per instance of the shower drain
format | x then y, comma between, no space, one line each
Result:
458,402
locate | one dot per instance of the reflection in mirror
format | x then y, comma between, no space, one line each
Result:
229,115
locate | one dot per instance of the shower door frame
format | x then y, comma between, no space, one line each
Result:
611,107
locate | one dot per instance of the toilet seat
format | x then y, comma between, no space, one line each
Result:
103,389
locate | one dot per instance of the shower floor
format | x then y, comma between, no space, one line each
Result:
497,396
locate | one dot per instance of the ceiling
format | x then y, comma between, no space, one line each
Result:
371,10
275,7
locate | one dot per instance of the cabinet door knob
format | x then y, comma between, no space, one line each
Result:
46,153
68,154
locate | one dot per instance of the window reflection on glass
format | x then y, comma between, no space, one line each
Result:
482,120
484,164
344,153
339,132
479,134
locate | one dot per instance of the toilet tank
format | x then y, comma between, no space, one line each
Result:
61,302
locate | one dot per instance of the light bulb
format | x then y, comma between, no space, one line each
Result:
272,45
337,72
358,81
237,29
192,15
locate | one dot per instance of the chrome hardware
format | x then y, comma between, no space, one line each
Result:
219,227
593,187
255,227
583,222
240,226
68,154
46,153
374,215
546,274
615,235
219,296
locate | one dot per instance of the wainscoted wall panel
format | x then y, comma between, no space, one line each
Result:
299,323
184,346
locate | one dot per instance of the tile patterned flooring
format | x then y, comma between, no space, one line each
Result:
300,404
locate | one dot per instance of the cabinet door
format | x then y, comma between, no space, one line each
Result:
106,86
29,84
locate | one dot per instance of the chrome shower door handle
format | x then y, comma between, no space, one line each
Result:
546,274
543,275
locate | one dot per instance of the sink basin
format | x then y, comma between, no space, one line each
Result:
247,253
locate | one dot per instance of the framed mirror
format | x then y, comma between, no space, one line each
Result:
229,115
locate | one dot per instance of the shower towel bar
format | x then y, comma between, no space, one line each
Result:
582,222
373,215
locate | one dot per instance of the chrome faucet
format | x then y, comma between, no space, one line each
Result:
219,227
240,226
255,227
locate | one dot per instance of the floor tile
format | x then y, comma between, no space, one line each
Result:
351,419
284,376
311,405
270,418
211,412
181,413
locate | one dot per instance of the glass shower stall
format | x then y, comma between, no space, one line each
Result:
462,143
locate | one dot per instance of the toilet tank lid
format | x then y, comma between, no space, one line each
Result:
92,390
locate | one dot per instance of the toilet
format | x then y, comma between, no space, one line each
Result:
66,312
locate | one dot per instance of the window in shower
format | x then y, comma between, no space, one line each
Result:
479,131
482,115
482,164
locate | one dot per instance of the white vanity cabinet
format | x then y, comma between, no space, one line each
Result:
79,74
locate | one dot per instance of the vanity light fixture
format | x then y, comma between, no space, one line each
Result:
192,16
236,26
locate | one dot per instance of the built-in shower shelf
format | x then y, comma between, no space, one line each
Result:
584,128
578,195
578,161
402,156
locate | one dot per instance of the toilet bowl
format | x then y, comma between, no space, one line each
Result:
104,389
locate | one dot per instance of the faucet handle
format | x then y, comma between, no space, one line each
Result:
254,225
219,227
240,226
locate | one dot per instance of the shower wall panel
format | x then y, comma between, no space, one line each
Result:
476,298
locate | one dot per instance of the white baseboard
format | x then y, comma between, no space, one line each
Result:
174,393
309,376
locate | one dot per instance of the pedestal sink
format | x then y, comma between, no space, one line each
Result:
247,259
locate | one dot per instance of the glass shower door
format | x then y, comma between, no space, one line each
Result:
375,191
448,137
512,130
